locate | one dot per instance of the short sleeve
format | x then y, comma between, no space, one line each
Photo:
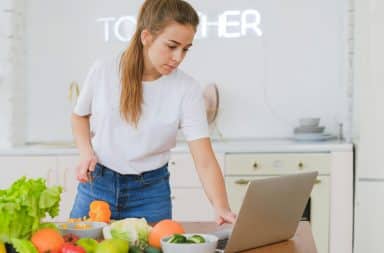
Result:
84,101
193,121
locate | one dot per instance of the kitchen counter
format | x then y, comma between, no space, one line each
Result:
301,242
220,146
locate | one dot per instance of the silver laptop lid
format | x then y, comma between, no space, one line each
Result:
271,210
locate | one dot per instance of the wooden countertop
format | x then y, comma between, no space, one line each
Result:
302,242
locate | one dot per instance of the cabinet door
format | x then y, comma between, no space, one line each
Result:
320,202
191,204
183,171
320,209
66,166
15,167
369,217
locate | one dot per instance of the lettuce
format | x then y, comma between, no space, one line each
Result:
24,205
133,230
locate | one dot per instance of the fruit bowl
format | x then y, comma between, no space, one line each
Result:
88,229
209,246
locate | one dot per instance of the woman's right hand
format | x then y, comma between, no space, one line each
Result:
86,167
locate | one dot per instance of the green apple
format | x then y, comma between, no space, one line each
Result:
113,245
89,244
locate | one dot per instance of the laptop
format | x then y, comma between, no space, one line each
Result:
270,212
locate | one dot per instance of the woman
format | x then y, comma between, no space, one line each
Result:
127,115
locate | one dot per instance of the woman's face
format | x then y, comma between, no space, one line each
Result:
163,53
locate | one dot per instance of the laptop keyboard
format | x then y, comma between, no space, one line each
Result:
222,243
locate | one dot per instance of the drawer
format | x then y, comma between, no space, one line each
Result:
277,163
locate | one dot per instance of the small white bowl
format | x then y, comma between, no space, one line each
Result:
209,246
309,122
95,229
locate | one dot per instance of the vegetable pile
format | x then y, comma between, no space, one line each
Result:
22,207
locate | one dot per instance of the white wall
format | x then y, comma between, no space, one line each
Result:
297,68
12,73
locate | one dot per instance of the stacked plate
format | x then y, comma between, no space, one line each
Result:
309,130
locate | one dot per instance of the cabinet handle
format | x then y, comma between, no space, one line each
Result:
173,162
301,165
318,181
173,197
255,165
242,181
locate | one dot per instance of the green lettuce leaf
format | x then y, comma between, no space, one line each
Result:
24,205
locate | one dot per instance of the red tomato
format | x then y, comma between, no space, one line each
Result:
70,248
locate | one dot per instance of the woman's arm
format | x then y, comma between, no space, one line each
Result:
82,134
212,179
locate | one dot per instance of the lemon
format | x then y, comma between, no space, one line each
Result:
2,248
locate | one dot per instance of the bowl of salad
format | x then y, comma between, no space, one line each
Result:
189,243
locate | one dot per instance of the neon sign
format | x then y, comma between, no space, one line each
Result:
229,24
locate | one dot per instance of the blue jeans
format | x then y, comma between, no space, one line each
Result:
136,196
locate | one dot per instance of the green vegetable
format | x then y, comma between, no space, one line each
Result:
151,250
24,246
196,239
177,238
135,249
23,205
134,230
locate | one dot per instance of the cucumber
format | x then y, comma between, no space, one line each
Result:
135,249
150,249
196,239
177,238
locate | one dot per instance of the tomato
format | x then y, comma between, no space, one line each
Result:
70,248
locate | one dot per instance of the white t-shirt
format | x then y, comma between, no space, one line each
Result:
170,102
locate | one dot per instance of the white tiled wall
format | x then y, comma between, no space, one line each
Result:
12,53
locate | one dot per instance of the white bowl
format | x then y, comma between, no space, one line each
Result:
309,122
95,229
308,129
209,246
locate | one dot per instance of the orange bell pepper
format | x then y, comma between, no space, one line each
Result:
99,211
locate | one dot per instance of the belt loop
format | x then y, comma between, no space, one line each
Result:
102,170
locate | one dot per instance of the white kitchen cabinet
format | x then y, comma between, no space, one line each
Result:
66,169
191,204
15,167
370,217
241,168
188,198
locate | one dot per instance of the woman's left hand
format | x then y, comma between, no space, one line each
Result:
225,216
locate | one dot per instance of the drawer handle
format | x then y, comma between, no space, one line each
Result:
173,162
242,181
255,165
173,197
301,165
318,181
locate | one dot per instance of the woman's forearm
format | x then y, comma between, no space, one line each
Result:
209,173
214,186
82,134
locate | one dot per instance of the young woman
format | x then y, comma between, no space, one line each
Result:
126,119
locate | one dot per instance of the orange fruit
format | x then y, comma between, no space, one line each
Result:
47,240
161,229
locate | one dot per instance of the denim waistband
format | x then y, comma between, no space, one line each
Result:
102,170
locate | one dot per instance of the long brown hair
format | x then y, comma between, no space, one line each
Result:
154,16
